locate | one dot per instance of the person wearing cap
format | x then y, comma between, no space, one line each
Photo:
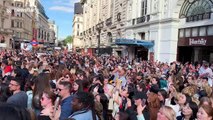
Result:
19,98
140,101
136,114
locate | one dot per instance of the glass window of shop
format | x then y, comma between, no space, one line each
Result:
188,32
210,30
194,32
202,31
181,33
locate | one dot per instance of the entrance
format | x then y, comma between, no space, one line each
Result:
185,54
141,53
193,54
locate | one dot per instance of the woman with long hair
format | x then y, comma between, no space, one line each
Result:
41,83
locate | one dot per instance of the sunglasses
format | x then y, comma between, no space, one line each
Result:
59,89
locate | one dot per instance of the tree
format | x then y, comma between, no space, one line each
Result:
68,40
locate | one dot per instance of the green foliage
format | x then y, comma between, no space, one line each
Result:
67,40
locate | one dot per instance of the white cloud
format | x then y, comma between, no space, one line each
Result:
63,5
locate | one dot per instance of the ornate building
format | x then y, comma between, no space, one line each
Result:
103,22
22,21
164,30
168,30
5,31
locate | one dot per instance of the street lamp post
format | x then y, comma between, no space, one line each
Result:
99,26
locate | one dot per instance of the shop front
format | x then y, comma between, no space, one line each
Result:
136,49
192,49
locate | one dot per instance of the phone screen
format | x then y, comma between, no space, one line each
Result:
56,104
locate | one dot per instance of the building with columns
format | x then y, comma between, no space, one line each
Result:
179,29
22,21
104,19
162,30
5,31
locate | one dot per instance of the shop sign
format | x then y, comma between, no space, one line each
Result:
196,41
200,41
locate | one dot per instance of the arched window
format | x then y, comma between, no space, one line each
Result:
195,10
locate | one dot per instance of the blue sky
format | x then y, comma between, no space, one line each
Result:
61,11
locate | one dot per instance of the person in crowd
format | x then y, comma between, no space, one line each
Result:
77,86
166,113
205,101
119,76
205,112
83,106
205,71
189,111
47,101
11,112
6,68
64,90
41,83
4,92
162,96
153,102
19,98
122,116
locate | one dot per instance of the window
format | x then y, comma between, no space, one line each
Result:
12,13
188,32
78,19
181,33
12,23
20,24
202,31
2,23
77,33
194,32
4,2
210,30
17,24
78,26
143,8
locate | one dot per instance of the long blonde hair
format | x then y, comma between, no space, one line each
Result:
169,112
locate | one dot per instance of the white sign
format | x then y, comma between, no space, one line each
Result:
201,41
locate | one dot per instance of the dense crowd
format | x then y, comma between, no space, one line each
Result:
69,86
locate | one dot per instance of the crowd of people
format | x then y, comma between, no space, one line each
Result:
72,86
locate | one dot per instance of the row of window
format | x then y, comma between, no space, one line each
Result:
196,31
16,24
17,4
17,14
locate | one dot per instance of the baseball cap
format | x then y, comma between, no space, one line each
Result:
139,95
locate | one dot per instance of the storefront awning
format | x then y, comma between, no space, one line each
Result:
124,41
